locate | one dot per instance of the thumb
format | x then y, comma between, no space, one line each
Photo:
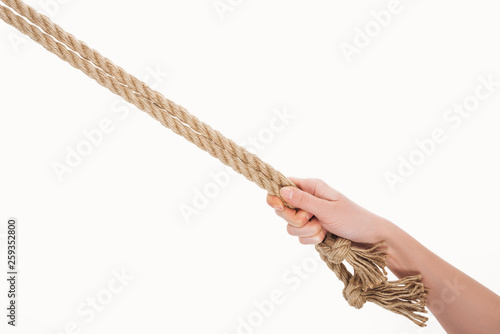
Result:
303,200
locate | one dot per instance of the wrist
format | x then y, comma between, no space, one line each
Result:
404,253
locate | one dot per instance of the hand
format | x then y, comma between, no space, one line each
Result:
461,304
322,208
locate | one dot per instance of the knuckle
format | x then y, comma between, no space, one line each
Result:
333,206
322,236
317,238
291,230
301,220
303,200
319,181
335,195
317,229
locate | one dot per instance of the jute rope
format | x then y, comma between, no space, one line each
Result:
368,282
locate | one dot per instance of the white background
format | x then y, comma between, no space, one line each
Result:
119,209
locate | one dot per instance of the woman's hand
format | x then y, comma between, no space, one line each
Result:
322,208
461,304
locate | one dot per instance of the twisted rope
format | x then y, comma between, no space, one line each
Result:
367,283
79,55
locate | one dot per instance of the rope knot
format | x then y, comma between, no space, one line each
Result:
335,249
354,294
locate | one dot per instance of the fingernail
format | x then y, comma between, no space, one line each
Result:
279,207
286,193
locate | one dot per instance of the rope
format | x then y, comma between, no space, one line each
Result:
134,91
368,282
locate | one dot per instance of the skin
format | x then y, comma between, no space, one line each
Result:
459,303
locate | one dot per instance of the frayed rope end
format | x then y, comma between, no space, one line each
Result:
369,282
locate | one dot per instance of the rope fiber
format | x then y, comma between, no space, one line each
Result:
368,282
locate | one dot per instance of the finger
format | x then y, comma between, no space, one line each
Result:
317,187
274,202
305,201
310,229
313,240
297,218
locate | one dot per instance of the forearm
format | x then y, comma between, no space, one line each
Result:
460,304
